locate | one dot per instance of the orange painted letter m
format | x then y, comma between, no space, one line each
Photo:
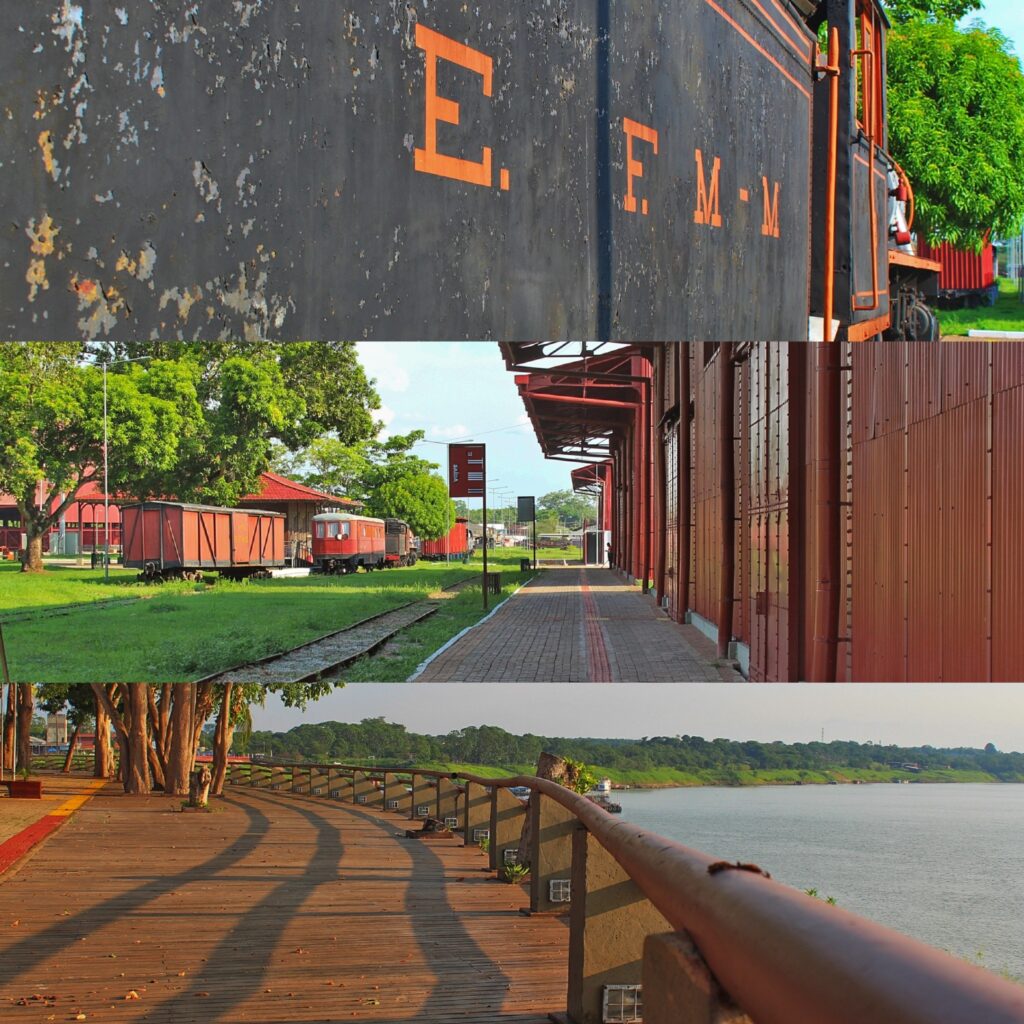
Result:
707,198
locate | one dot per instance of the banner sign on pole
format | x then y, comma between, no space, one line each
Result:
466,470
527,509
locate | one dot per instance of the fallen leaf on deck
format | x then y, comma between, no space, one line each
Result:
132,994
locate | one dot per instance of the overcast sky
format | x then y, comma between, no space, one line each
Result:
940,715
461,391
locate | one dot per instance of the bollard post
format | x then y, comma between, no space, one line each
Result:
679,988
609,921
550,855
508,813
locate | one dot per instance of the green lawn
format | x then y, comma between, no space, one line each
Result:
1006,315
185,631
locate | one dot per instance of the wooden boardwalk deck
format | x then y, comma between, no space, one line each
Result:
272,908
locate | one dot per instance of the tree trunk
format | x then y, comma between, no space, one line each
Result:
12,700
32,560
548,767
222,740
203,710
180,753
136,774
159,718
26,705
72,747
103,756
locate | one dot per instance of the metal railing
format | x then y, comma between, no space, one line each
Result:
779,955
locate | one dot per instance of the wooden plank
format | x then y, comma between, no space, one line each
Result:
274,907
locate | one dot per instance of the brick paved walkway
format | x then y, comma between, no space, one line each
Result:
573,625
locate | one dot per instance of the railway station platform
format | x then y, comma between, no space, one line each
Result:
573,624
271,908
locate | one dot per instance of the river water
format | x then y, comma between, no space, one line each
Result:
943,863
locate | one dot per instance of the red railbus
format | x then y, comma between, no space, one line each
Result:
342,543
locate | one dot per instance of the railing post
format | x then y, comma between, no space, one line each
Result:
393,790
679,988
550,855
362,788
508,813
476,812
423,795
609,920
318,778
449,797
277,777
260,776
337,785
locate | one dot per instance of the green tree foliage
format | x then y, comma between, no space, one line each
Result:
901,11
571,508
51,432
386,742
956,124
383,474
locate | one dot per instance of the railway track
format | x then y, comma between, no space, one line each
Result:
332,652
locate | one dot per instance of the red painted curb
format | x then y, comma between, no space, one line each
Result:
13,849
597,653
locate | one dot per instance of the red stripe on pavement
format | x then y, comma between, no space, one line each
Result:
18,845
598,666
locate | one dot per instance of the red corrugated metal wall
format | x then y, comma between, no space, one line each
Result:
706,487
937,450
1008,515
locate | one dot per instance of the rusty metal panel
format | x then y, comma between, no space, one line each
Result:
925,381
1008,535
671,525
388,170
965,372
961,270
1007,367
878,560
947,539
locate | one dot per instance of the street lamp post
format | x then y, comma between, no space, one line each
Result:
106,487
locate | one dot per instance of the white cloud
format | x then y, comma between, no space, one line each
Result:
458,430
387,416
384,363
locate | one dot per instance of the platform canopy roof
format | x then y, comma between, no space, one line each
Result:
581,397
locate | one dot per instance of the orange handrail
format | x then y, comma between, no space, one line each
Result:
833,70
869,119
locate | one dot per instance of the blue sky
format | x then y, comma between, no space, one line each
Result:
458,391
1007,16
941,715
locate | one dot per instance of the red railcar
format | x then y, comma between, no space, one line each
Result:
456,544
967,278
398,544
342,543
166,539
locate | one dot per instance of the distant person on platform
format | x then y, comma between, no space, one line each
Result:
608,555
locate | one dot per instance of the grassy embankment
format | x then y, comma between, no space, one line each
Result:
1006,315
179,631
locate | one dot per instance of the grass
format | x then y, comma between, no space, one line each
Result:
1006,315
184,631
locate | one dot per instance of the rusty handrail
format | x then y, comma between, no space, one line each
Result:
784,957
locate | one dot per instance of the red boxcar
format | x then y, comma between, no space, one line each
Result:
166,539
967,278
457,544
398,544
342,543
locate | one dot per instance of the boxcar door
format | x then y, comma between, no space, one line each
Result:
240,538
769,516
